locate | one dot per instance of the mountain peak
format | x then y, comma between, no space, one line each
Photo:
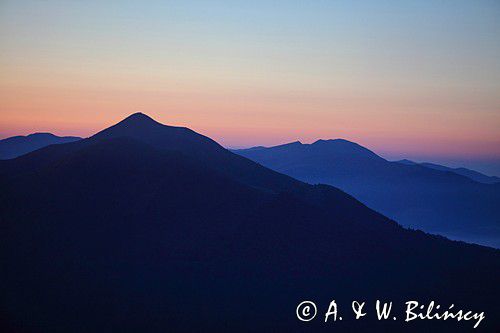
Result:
406,161
41,134
19,145
290,144
139,117
136,125
141,127
327,141
343,146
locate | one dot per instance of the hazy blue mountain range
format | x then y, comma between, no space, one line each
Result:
152,228
19,145
415,195
474,175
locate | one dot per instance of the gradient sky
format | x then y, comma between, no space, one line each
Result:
416,79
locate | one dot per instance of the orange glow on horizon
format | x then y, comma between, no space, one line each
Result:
388,83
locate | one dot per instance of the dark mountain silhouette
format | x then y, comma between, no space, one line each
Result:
152,228
141,127
19,145
414,195
474,175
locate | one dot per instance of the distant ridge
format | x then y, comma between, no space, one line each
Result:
472,174
19,145
423,196
338,146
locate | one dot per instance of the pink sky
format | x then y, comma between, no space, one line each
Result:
425,81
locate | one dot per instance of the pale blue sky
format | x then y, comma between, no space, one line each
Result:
410,78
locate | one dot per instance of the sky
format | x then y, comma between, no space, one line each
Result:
407,79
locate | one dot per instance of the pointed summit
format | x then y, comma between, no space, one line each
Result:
137,126
139,117
133,124
141,127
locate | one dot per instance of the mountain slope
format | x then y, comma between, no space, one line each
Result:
414,195
19,145
117,234
144,129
